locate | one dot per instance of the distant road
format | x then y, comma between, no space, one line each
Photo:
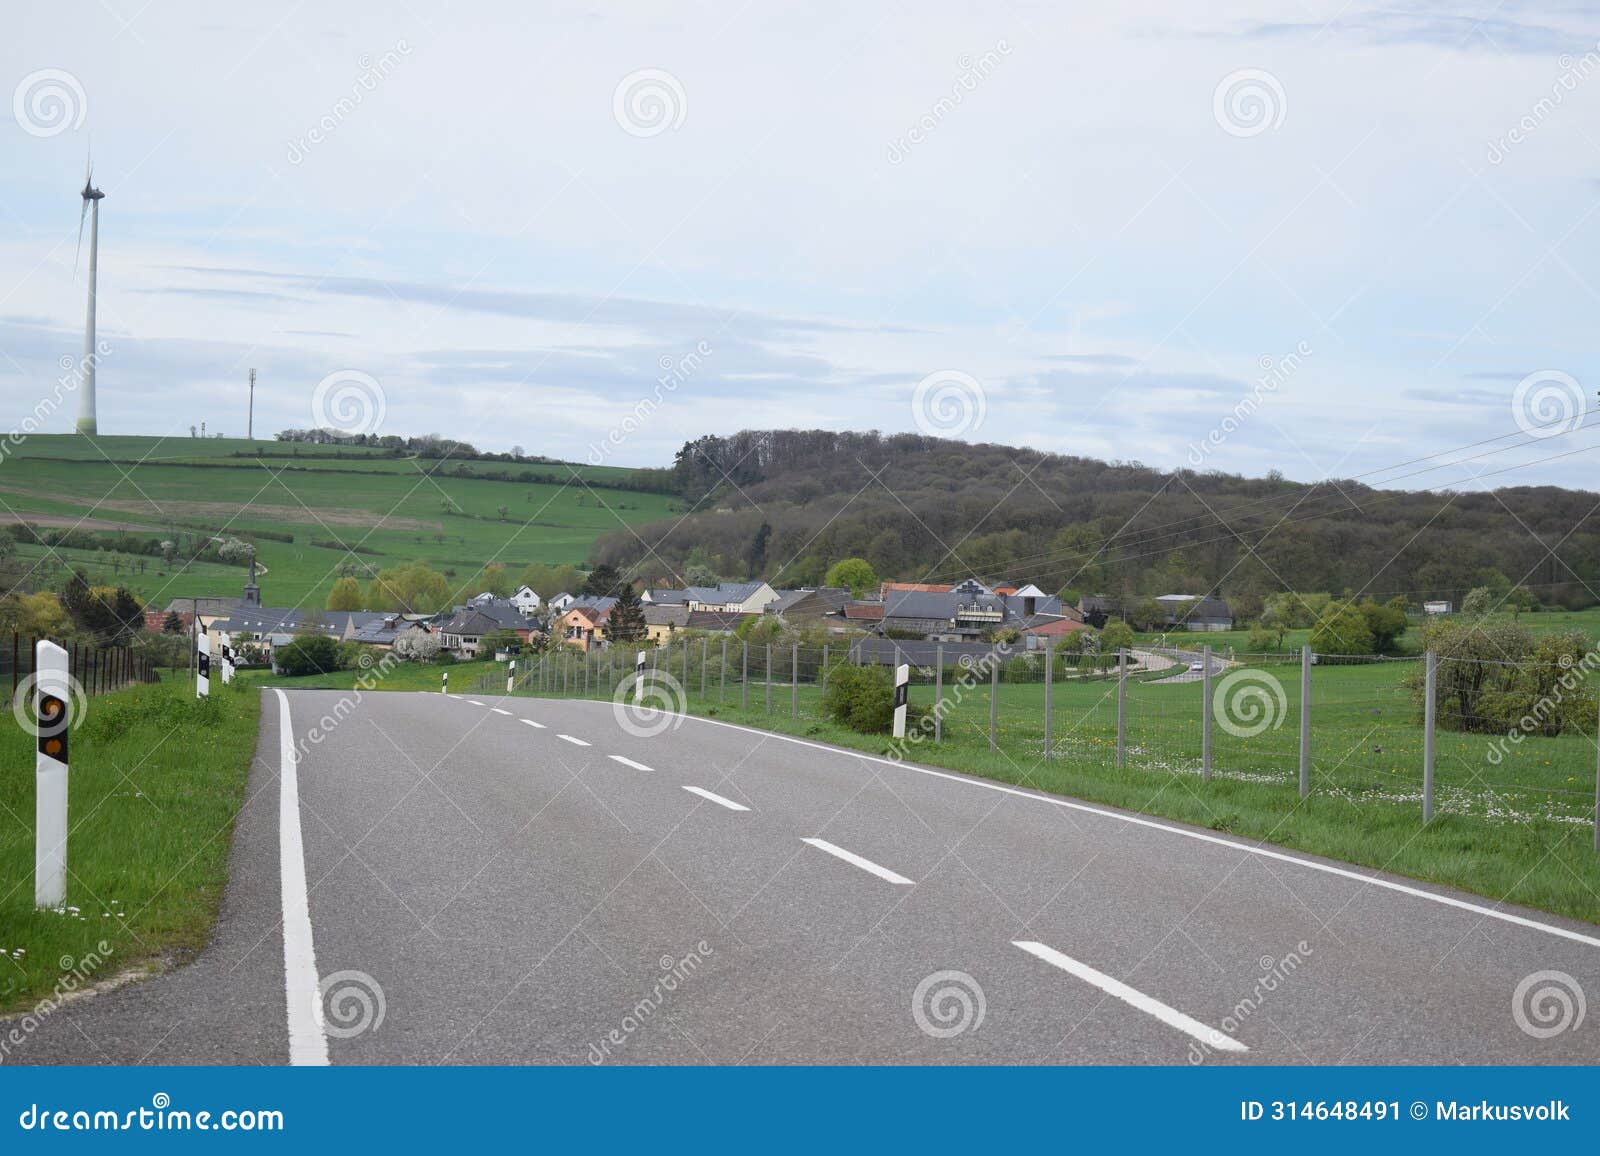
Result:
527,881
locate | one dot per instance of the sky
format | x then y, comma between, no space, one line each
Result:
1318,238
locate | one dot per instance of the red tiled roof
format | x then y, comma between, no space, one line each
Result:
1064,626
865,611
920,587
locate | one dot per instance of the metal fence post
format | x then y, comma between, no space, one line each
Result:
1305,721
744,677
1205,713
994,701
769,678
722,675
1429,721
794,680
938,693
822,675
705,650
1049,688
1597,785
1122,706
686,667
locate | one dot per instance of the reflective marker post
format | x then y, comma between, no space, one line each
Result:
202,670
227,659
52,706
902,691
511,675
638,678
445,687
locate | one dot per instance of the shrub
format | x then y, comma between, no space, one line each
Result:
309,654
862,698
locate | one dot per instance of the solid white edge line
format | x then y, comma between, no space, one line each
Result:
1155,825
474,702
531,723
865,864
1170,1016
308,1043
574,741
627,762
498,710
714,798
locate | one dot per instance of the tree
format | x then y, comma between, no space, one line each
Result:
173,623
603,582
413,588
235,550
1342,629
345,595
1116,635
625,623
1479,602
1520,599
1386,620
856,573
1148,614
495,580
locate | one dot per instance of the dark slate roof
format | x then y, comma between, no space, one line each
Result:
665,596
600,604
716,620
891,652
288,620
824,599
476,622
669,615
1208,608
722,593
201,605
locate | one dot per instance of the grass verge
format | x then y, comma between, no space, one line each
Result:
157,778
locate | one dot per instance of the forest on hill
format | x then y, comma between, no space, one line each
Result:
786,504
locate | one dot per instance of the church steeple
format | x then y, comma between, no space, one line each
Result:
252,592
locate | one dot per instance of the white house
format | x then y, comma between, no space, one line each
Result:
1437,608
731,597
526,600
561,602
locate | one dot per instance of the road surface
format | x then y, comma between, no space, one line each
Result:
528,881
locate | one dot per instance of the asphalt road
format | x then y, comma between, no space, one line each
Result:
709,894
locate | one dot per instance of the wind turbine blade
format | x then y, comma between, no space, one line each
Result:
81,215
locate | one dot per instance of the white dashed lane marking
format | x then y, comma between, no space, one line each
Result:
627,762
715,798
1170,1016
573,741
865,864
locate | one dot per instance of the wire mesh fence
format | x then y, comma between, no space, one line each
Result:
1504,742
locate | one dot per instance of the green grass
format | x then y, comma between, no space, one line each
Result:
156,781
1540,622
395,509
1520,830
400,676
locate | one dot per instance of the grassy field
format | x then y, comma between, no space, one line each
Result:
1520,829
391,510
157,778
401,676
1541,622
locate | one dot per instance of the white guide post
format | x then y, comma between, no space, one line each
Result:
52,708
445,686
202,668
902,692
511,675
638,678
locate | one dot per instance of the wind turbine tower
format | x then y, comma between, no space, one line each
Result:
91,209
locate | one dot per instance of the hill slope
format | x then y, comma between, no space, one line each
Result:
336,506
785,504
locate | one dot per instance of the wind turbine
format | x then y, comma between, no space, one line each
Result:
91,209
